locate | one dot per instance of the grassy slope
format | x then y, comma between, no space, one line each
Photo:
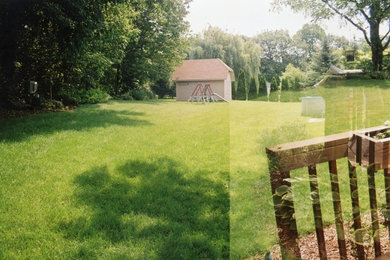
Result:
252,221
133,180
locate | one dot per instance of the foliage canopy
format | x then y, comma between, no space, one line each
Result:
366,16
112,45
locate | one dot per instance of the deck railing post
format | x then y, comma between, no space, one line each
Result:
386,174
337,209
387,191
357,222
373,202
315,196
285,215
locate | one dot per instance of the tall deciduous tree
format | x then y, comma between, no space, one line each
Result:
308,38
45,41
160,44
278,52
68,45
366,15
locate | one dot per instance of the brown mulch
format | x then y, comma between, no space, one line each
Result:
309,248
6,114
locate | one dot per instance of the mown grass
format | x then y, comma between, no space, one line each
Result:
350,105
253,127
124,180
161,180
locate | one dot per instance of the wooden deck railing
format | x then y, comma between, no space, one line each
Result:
308,153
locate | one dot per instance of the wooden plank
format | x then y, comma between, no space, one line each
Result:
315,195
358,149
296,161
326,141
357,222
285,215
387,191
299,154
373,201
311,144
337,209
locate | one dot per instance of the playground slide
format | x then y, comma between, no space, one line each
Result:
215,94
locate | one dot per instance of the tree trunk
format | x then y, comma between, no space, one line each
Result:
376,46
375,38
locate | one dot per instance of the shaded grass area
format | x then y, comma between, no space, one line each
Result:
350,105
124,180
15,130
150,202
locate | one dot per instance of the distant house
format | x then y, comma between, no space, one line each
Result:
207,71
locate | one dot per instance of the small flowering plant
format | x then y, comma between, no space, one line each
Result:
382,135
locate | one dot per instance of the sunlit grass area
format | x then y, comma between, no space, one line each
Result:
350,105
166,179
124,180
253,127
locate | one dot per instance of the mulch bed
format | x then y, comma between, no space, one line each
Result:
309,248
5,114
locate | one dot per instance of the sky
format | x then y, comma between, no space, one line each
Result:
251,17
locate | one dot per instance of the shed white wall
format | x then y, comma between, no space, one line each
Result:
184,89
228,88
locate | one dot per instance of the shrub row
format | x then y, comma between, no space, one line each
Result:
90,96
370,75
137,94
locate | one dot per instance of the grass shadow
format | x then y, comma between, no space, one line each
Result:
179,216
86,117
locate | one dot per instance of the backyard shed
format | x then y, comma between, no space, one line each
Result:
206,71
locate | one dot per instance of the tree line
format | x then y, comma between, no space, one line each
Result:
368,17
276,57
83,49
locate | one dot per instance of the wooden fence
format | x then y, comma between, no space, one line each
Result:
308,153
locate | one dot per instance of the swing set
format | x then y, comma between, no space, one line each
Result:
204,93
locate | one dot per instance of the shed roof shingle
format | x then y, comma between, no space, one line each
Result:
206,69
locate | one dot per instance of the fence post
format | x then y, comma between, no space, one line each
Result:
285,215
337,209
373,202
315,196
357,223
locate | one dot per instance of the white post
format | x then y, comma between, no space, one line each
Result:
268,89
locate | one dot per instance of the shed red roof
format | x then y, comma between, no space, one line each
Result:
206,69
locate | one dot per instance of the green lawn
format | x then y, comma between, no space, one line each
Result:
254,126
165,179
133,180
